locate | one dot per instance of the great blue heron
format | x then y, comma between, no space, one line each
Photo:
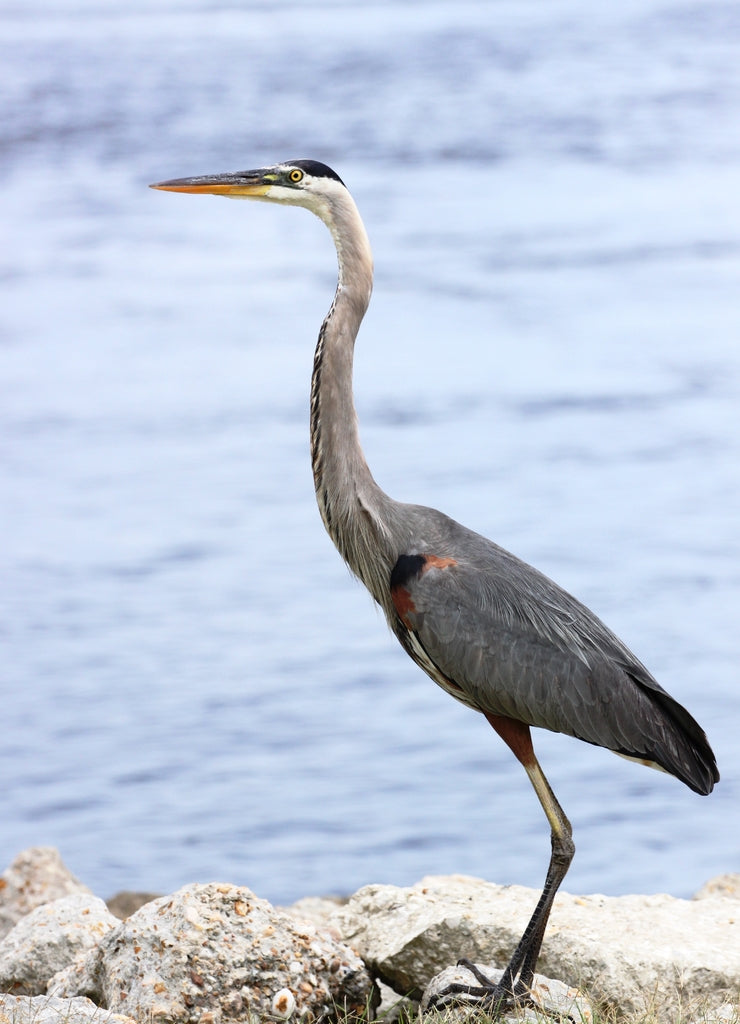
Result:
488,628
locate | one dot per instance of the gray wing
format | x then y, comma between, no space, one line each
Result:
507,640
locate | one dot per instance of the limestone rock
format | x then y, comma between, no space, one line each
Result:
393,1008
217,953
48,939
556,999
629,951
409,935
49,1010
316,909
725,1014
36,876
726,886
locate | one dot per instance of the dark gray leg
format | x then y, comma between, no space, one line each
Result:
516,982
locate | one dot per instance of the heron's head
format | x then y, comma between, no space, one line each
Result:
299,183
296,183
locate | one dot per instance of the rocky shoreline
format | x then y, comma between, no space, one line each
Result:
217,952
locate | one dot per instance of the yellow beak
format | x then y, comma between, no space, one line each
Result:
242,183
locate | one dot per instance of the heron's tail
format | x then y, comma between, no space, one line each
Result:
680,745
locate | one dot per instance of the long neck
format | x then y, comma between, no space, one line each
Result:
350,502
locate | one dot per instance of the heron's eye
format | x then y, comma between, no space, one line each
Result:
295,175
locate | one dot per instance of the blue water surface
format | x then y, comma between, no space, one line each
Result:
193,687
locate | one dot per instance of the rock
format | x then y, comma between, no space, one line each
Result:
48,939
316,909
217,953
126,903
36,876
48,1010
556,999
393,1007
727,886
630,952
725,1014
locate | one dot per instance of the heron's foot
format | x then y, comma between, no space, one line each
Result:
492,996
495,999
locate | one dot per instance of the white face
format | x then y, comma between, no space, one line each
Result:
324,195
296,186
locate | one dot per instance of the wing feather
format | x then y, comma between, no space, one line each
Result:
513,643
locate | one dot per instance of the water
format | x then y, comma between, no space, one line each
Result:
193,688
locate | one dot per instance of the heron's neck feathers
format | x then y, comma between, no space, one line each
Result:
350,502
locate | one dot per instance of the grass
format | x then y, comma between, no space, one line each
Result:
608,1017
405,1012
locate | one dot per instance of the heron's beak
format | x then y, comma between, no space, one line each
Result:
248,184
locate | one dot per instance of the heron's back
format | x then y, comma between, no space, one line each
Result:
507,640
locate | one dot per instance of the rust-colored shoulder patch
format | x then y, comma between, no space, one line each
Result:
403,604
435,562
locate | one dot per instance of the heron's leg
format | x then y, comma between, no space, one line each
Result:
518,975
516,981
524,959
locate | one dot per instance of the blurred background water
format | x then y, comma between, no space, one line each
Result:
193,688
